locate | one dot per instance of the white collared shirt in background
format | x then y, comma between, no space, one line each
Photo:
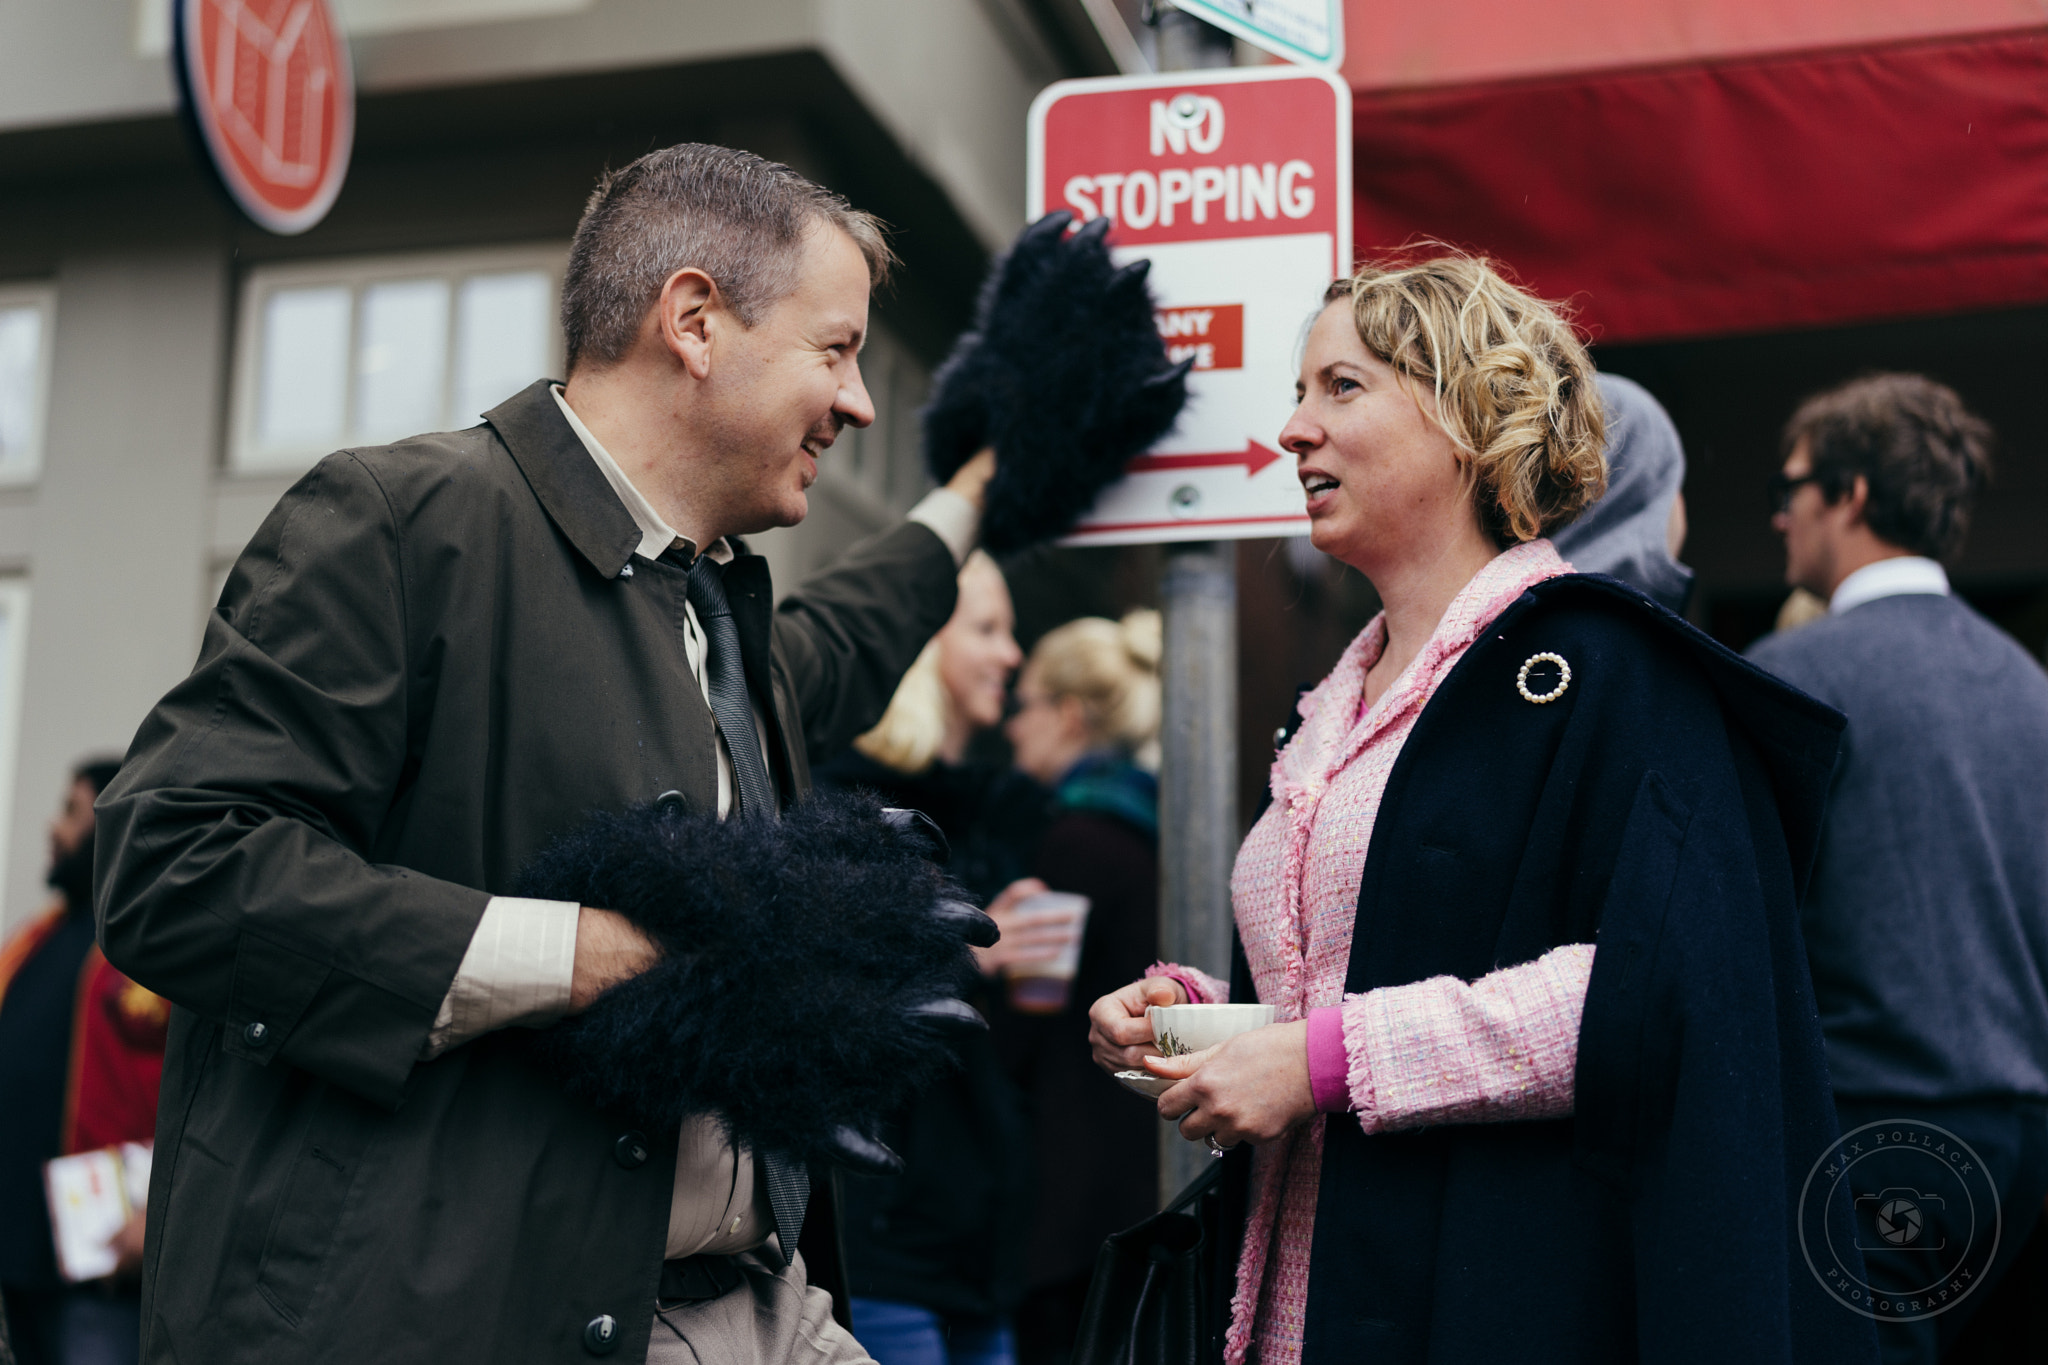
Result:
1898,576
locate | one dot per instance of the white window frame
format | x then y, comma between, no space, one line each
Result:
14,606
244,454
43,298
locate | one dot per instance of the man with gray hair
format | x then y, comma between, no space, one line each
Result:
434,657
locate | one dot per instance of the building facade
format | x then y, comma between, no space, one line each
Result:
167,369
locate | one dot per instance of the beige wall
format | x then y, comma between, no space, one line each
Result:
114,534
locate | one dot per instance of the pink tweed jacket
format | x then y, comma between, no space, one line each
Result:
1437,1051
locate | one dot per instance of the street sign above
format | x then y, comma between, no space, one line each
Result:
1308,31
1236,185
268,85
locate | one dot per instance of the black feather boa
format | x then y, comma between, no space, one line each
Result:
1063,373
804,990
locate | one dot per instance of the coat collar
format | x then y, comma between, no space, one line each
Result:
1796,737
566,480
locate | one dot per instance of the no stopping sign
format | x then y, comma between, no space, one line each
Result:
1237,186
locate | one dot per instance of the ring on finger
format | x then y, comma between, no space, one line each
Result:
1216,1148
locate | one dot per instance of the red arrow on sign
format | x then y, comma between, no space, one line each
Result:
1253,457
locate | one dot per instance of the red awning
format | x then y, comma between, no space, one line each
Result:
1715,168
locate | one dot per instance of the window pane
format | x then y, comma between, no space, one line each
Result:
21,340
304,380
402,359
502,332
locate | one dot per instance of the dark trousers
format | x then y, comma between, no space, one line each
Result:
32,1324
1048,1321
82,1325
2010,1138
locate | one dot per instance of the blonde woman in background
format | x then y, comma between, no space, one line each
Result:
1085,723
934,1254
959,683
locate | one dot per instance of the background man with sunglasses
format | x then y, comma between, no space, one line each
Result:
1927,918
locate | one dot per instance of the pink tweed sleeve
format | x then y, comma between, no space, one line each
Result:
1443,1051
1202,988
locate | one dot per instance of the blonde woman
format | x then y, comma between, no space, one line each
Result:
933,1255
1546,1082
1085,723
958,685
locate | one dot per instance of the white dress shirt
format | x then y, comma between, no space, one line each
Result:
1895,577
521,960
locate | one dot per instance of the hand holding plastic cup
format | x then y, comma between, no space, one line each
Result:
1043,986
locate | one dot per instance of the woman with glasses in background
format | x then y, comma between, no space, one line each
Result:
1085,725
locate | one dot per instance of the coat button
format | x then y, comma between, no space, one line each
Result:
256,1034
630,1150
601,1335
669,803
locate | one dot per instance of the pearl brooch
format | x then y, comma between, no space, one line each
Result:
1564,678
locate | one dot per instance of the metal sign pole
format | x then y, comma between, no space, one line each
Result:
1198,742
1198,788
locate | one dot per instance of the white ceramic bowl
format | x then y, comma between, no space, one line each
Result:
1190,1028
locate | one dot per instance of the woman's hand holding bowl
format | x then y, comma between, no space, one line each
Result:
1119,1033
1251,1088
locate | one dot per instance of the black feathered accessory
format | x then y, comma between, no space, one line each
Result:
1063,373
806,988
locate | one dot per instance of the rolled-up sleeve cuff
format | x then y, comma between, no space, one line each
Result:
952,518
1328,1071
1200,987
517,971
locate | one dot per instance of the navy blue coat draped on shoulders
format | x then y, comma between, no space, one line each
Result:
1665,806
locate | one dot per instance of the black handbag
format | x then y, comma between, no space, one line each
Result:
1161,1290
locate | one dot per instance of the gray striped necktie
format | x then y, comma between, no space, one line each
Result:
789,1193
788,1182
726,678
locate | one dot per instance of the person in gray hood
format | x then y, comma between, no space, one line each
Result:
1635,531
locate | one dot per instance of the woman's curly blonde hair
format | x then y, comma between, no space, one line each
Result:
1514,386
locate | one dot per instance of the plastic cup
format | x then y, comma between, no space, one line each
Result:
1045,987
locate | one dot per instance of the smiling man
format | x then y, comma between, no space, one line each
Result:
433,657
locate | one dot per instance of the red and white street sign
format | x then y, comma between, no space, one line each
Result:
1236,184
269,85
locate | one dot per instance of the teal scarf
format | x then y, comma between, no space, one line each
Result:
1107,783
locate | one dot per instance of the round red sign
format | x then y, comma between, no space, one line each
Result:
269,86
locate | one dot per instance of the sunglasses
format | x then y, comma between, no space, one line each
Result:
1783,486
